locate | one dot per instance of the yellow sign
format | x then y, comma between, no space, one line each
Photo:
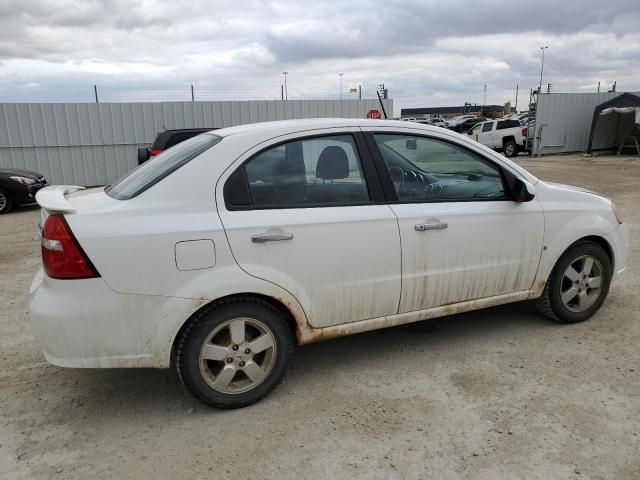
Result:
353,90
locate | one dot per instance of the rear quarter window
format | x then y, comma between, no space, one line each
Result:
160,167
502,124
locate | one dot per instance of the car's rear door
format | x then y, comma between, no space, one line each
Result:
462,237
307,213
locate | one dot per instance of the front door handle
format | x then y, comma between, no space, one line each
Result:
421,227
271,237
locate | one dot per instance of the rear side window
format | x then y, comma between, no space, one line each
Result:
320,171
160,166
502,124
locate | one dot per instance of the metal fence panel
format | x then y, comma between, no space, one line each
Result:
94,144
563,121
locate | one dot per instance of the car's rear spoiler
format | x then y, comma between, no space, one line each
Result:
53,198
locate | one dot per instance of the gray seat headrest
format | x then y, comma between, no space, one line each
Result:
332,164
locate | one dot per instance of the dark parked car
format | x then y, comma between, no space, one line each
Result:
168,139
466,124
18,186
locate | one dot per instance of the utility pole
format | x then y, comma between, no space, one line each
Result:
281,92
360,91
541,69
598,86
516,106
484,97
95,92
340,74
286,93
193,99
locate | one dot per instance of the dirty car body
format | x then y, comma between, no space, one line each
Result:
330,226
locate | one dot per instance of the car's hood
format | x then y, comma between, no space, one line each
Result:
19,171
574,189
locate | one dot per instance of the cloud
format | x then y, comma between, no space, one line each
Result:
426,52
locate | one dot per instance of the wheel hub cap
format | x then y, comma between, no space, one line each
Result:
581,284
237,355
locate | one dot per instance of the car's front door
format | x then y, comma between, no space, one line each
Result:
462,237
308,214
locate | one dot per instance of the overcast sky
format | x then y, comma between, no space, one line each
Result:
427,52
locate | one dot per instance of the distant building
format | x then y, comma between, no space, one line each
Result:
449,112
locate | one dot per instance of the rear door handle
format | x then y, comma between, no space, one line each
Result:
271,237
421,227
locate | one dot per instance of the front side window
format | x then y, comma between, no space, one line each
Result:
430,170
320,171
486,127
160,166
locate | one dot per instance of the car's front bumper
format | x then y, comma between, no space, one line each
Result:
85,324
21,194
619,241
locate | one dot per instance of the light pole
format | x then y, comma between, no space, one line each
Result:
541,69
286,94
340,74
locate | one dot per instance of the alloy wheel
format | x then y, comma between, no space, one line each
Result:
237,355
581,284
510,150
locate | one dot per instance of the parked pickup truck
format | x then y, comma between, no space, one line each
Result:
507,136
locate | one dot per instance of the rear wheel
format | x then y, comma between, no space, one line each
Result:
578,284
235,353
510,149
5,202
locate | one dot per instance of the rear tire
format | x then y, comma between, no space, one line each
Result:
235,353
578,284
5,202
510,149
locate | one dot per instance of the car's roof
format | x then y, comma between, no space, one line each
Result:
311,124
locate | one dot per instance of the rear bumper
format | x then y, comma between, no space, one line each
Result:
619,241
85,324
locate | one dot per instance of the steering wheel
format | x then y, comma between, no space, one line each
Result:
433,190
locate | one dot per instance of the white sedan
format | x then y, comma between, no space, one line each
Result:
221,253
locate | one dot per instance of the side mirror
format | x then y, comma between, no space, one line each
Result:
411,144
470,132
143,155
523,191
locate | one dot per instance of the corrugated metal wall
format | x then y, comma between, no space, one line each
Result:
563,121
94,144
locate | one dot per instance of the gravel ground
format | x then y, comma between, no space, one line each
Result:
498,393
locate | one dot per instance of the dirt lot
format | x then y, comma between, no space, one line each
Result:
499,393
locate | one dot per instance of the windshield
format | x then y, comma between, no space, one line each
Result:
159,167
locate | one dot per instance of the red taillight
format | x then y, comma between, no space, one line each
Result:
153,153
525,132
62,255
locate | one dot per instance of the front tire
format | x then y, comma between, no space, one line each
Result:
235,353
5,202
578,284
